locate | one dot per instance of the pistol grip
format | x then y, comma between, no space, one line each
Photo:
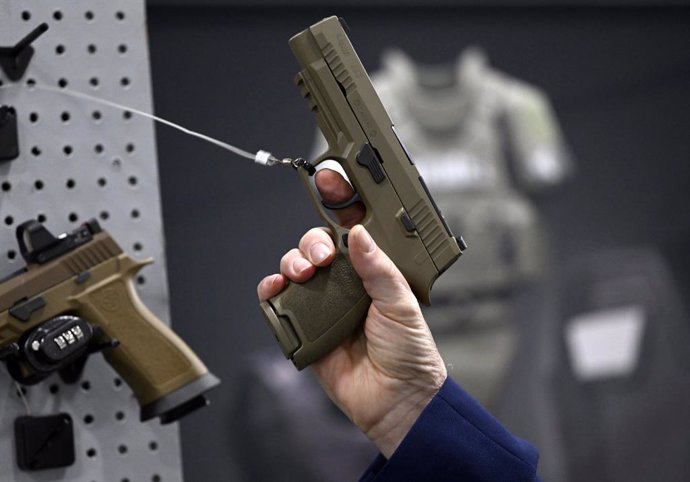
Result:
310,319
167,378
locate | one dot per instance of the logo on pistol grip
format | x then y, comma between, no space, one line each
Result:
110,299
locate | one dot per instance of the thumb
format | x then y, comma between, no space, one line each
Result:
382,280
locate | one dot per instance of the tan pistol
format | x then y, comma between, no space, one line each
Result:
311,319
76,296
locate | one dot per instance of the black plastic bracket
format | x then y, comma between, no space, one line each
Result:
44,442
9,139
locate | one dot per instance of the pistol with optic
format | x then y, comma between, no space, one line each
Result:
75,297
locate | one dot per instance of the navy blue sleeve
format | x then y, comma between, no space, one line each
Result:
456,439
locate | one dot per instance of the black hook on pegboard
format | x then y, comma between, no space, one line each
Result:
15,60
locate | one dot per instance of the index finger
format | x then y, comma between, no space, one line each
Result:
334,189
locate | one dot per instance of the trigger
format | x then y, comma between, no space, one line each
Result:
346,204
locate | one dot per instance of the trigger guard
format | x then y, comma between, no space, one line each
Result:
343,205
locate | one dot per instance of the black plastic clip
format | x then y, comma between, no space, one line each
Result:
9,351
45,442
9,140
304,164
15,60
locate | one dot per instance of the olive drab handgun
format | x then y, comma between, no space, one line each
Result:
76,296
310,319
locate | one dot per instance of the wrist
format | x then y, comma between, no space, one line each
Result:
394,426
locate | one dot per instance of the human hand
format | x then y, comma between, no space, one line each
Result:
387,372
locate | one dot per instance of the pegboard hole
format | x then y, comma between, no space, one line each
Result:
54,389
86,385
120,15
11,254
73,217
130,148
57,15
91,453
41,218
26,15
36,151
91,48
88,419
62,83
38,184
30,83
60,49
98,148
65,117
138,246
33,117
119,416
153,446
117,382
135,214
127,115
6,186
9,220
67,150
96,115
124,82
141,280
70,183
94,81
122,48
132,180
122,449
88,15
156,478
104,215
102,181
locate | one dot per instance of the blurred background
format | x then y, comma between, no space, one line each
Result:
560,132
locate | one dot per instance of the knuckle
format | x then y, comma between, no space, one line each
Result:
287,260
313,236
